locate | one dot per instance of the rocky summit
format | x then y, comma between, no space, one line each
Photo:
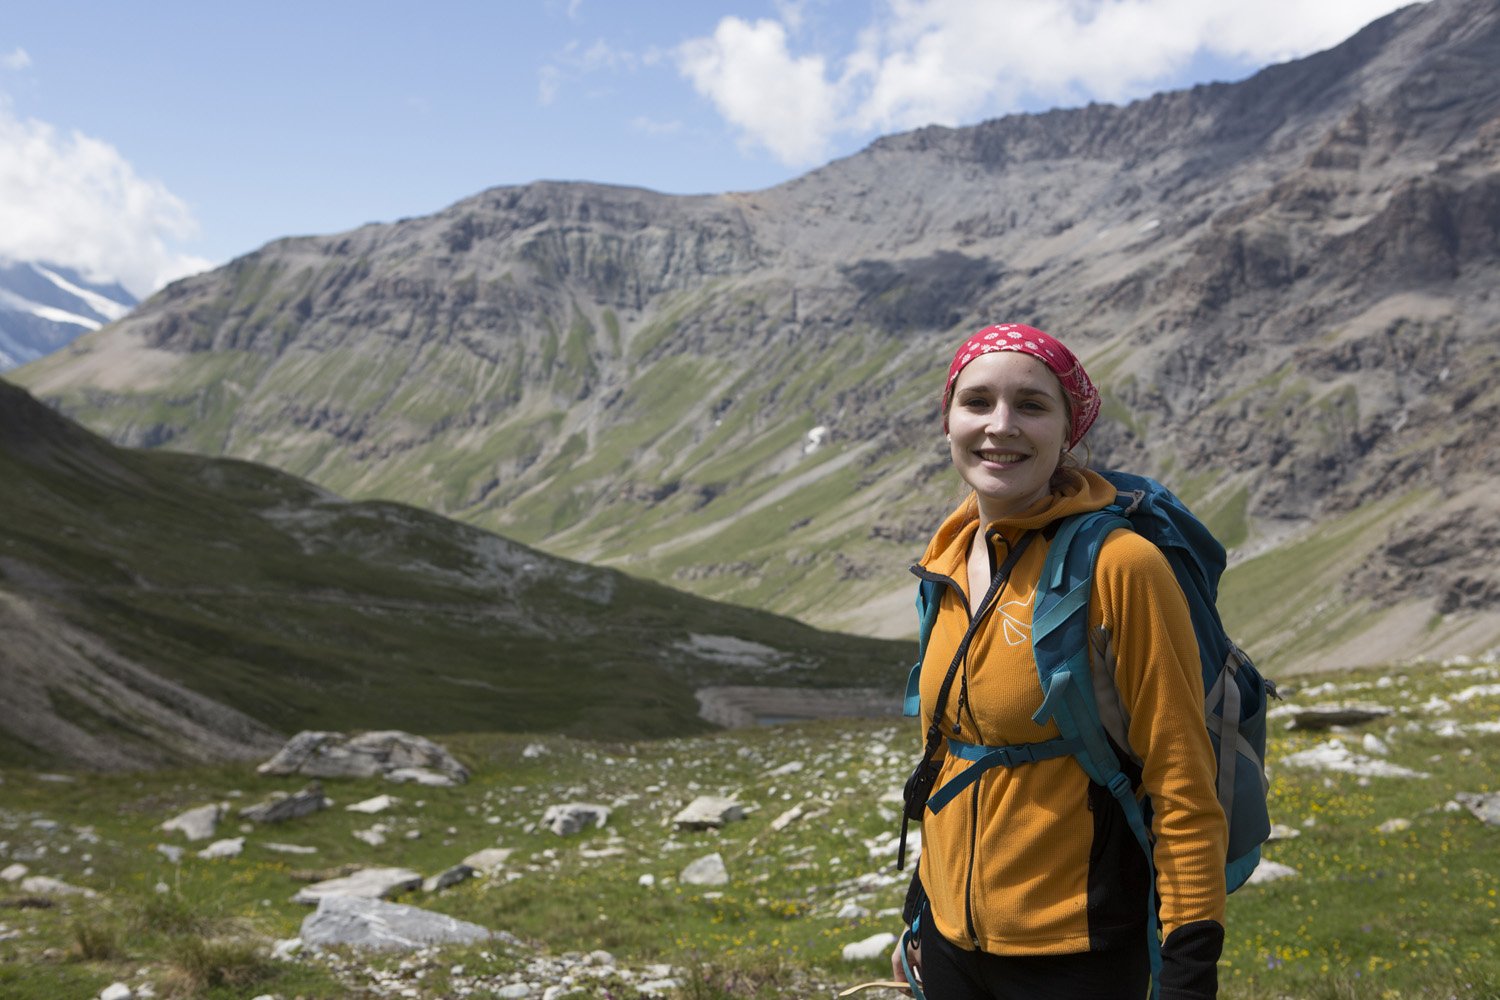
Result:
1285,286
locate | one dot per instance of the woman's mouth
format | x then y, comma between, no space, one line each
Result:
1001,457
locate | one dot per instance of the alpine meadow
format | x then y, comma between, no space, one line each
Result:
592,507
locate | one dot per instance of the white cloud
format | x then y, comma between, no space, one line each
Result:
780,101
921,62
74,200
16,60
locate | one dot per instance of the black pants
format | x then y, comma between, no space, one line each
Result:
950,973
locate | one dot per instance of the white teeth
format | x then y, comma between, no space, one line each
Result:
1001,456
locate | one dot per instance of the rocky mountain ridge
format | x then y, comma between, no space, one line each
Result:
1284,286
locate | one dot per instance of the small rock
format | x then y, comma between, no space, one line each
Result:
453,876
1394,826
229,848
197,824
371,883
279,807
421,776
1280,831
46,885
707,870
515,991
14,873
875,946
1270,871
379,803
1315,717
852,911
289,848
708,812
117,991
569,818
786,819
1485,806
171,852
489,860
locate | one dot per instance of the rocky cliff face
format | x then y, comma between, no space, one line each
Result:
1285,286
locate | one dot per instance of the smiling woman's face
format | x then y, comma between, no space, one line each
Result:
1007,429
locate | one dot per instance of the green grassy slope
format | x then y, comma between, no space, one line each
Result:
305,611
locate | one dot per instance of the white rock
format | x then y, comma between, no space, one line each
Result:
786,819
1270,871
571,817
380,926
374,836
117,991
199,823
14,873
707,870
1280,831
852,911
372,883
1334,756
491,859
379,803
289,848
646,880
1394,826
286,949
231,847
1374,745
515,991
875,946
171,852
46,885
422,776
708,811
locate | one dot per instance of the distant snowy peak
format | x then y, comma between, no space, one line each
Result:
44,306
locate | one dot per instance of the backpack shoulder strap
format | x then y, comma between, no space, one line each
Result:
1060,644
929,595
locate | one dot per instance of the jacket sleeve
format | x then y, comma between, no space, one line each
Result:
1161,689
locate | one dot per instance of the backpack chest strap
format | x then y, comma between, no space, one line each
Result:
982,758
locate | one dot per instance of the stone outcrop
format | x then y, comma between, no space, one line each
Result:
368,883
371,924
365,755
280,807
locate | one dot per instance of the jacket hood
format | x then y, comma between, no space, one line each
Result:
1081,490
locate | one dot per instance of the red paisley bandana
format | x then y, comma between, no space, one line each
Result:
1083,398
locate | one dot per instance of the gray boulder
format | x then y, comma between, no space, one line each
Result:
279,807
707,870
365,755
1318,717
375,925
708,812
453,876
572,817
370,883
1485,806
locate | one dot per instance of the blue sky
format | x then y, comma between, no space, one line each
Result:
143,141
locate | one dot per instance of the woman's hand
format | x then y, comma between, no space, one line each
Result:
913,948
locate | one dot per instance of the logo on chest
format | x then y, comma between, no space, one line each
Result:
1015,620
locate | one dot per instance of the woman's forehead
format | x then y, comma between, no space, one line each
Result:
1008,370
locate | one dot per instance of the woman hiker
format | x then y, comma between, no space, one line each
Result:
1031,884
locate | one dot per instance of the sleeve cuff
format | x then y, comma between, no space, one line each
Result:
1190,961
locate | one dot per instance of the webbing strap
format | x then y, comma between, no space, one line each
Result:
985,757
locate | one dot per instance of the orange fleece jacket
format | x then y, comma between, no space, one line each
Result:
1027,861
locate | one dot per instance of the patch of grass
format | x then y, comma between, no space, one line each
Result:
197,965
1404,915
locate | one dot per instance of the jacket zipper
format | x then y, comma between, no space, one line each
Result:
984,609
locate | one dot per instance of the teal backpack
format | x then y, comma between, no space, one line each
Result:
1081,698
